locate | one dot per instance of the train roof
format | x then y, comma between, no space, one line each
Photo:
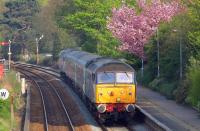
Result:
91,61
80,57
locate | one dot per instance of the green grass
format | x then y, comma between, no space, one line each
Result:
4,115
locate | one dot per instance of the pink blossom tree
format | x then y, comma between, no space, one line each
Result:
134,28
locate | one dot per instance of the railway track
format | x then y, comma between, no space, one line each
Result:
142,121
55,115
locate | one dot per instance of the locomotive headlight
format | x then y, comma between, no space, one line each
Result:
130,108
101,108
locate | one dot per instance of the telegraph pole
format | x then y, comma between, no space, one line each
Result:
12,112
9,54
181,59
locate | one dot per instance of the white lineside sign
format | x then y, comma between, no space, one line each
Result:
23,86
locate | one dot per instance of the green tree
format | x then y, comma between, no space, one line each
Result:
56,46
16,22
193,73
87,19
44,22
170,37
194,35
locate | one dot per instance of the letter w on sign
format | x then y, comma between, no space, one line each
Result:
4,94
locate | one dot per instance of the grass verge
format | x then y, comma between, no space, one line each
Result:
10,83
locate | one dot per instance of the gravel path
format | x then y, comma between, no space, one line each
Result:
175,116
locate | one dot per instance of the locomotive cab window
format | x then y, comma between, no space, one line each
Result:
105,77
124,77
115,77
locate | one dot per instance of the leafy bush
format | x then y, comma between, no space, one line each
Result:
194,86
181,92
46,61
43,60
32,61
9,82
43,2
147,76
167,89
163,86
155,84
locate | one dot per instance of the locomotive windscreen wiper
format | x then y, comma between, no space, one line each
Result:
127,75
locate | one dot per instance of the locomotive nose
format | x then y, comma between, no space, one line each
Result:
130,108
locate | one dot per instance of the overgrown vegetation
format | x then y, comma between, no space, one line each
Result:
193,72
193,77
10,83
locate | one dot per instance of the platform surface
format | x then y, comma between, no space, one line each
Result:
176,117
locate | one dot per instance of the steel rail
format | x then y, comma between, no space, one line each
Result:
45,114
42,97
66,112
57,94
40,68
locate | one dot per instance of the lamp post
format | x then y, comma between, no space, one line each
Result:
181,58
37,48
158,55
180,54
9,53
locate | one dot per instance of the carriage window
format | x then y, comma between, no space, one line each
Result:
124,77
105,77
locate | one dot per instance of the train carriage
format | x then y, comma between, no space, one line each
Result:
106,84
